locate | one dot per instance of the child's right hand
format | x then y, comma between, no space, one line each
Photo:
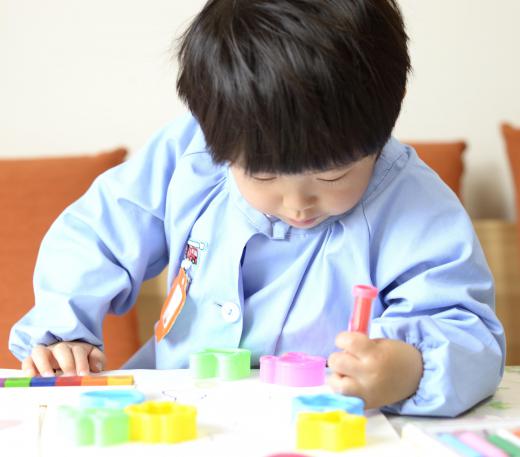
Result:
71,357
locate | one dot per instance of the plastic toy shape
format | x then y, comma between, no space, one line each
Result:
226,364
116,399
293,369
162,422
98,426
330,431
328,402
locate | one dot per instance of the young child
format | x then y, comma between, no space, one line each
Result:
281,191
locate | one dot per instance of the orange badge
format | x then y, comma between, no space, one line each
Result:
173,305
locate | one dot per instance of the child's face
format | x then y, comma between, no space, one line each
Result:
304,200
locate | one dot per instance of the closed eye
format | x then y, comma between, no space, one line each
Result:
264,179
335,179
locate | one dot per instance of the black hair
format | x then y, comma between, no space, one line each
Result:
287,86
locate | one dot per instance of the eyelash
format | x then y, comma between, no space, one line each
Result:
263,179
329,182
333,181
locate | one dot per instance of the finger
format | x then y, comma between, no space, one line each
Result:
96,360
43,360
80,354
28,367
345,385
354,342
345,364
63,354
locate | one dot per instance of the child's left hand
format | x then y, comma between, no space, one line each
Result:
380,371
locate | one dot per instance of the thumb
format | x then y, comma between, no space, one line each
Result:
96,360
353,342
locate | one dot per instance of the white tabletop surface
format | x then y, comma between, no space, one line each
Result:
236,418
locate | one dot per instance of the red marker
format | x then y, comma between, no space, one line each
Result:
360,318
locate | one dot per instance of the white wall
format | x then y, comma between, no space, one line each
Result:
81,76
466,81
77,76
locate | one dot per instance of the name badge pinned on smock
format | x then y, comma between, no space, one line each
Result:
174,302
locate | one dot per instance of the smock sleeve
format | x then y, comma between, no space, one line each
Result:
437,294
97,253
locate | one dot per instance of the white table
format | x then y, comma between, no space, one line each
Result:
237,418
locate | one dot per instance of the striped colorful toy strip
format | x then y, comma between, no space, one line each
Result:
481,442
507,446
64,381
510,435
39,381
127,380
461,448
17,382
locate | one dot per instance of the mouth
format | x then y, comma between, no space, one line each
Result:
303,222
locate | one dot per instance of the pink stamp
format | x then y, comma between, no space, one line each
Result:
293,369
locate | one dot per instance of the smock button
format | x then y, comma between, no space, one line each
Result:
230,311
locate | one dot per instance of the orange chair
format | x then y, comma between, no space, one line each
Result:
509,311
445,158
512,140
32,194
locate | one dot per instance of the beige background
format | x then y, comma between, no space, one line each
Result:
79,76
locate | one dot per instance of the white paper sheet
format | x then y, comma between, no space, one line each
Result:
235,418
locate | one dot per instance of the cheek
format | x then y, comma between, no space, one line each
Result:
261,199
341,205
341,202
351,195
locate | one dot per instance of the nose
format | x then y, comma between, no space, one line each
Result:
298,202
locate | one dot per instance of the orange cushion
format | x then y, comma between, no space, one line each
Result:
445,158
33,192
512,139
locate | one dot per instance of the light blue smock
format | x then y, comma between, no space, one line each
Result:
409,236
